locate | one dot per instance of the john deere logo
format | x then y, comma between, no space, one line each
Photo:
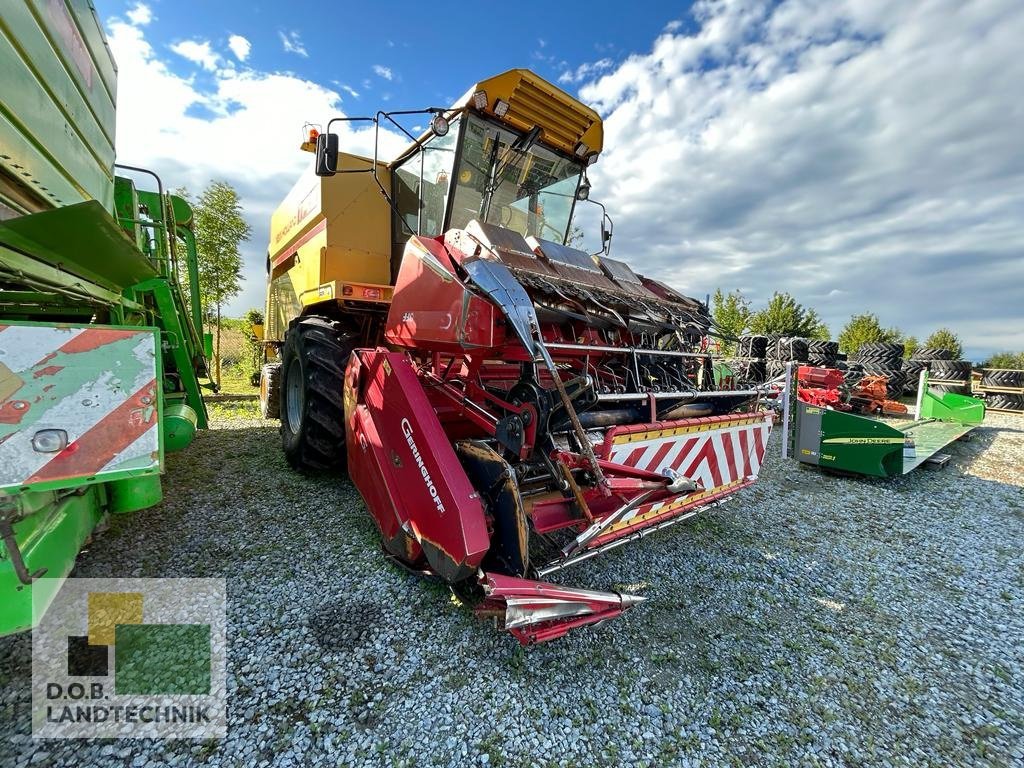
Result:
130,658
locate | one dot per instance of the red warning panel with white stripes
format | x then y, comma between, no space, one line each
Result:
720,453
77,403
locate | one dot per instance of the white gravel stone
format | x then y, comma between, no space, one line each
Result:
812,620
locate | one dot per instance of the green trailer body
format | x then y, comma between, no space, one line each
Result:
101,350
850,443
57,112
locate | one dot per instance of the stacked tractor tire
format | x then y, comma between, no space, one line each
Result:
750,366
944,373
764,358
782,350
1003,389
883,358
823,354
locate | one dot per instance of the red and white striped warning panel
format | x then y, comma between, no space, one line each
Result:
76,402
720,453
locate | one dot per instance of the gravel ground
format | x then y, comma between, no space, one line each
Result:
814,620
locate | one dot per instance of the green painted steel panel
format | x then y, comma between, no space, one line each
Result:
91,29
58,101
84,240
852,443
929,438
48,182
50,538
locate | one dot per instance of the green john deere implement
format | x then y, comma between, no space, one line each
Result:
847,442
101,349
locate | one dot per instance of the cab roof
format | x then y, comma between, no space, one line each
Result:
566,124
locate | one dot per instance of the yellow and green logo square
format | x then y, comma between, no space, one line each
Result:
149,659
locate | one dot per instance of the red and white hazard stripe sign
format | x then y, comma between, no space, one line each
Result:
97,385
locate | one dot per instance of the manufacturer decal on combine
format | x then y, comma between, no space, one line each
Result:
431,488
76,403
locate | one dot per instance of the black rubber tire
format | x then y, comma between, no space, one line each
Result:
791,349
752,346
821,360
894,387
912,369
999,377
932,353
881,349
819,347
881,359
1004,401
774,369
771,346
316,350
747,371
951,370
270,391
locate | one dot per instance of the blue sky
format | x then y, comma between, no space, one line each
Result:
859,154
433,51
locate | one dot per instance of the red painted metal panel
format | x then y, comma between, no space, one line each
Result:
404,465
432,309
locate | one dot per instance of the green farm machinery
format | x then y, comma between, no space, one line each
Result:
850,443
101,351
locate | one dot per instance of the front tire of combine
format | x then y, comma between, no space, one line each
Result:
316,352
270,391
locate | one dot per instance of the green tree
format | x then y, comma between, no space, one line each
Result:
910,343
945,339
731,314
1012,360
863,329
220,230
253,345
785,316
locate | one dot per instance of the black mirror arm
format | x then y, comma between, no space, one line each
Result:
607,228
376,120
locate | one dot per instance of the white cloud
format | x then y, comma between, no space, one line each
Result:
586,70
240,47
674,26
198,52
862,155
349,90
292,43
382,71
248,134
140,15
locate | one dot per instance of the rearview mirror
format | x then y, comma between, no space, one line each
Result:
326,154
607,228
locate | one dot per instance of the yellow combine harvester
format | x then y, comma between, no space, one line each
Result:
506,404
336,241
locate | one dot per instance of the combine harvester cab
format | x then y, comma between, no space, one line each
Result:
537,407
850,443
